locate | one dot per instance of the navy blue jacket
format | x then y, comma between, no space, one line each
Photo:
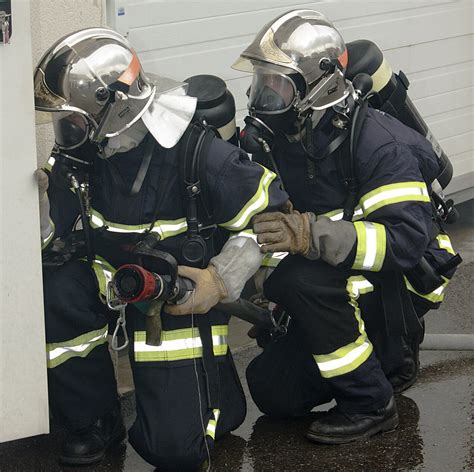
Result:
393,218
238,189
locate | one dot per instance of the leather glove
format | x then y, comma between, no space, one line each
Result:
45,221
287,207
280,232
209,289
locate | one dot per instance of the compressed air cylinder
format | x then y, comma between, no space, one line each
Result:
366,57
215,104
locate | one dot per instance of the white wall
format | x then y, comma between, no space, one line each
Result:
432,42
23,390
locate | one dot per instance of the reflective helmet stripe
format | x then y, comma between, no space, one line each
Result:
131,73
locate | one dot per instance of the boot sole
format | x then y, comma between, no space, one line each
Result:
388,426
92,458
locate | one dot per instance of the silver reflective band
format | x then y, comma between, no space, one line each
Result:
394,193
80,348
105,269
343,361
371,246
211,426
165,228
445,243
439,290
436,296
58,353
349,357
256,204
358,286
178,344
340,213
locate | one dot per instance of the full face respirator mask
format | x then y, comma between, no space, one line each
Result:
272,108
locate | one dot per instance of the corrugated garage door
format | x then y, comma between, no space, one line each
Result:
432,42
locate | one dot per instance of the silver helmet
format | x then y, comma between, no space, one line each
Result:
302,42
94,84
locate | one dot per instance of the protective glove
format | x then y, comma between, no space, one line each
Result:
331,241
44,207
209,289
287,207
280,232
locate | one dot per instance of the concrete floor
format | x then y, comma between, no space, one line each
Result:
436,415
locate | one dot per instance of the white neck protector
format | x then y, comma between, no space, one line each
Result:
166,119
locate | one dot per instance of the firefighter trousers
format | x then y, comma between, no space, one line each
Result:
184,401
337,316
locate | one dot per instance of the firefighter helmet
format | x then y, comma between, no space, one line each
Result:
300,43
94,84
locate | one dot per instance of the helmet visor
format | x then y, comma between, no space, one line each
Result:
271,92
71,129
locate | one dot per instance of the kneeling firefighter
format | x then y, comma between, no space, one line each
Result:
131,160
367,255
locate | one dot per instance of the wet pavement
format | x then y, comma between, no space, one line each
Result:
436,415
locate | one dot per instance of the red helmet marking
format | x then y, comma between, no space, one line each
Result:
343,59
132,71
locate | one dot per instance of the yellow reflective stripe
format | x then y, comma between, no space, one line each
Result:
165,228
212,425
371,246
349,357
381,76
211,429
341,352
336,215
394,193
436,296
58,353
179,344
358,285
103,272
273,259
48,239
445,243
255,205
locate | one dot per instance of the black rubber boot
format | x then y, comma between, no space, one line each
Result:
336,427
405,376
88,445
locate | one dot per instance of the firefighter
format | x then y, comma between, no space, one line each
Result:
342,283
119,134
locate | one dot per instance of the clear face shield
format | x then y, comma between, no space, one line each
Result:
271,92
